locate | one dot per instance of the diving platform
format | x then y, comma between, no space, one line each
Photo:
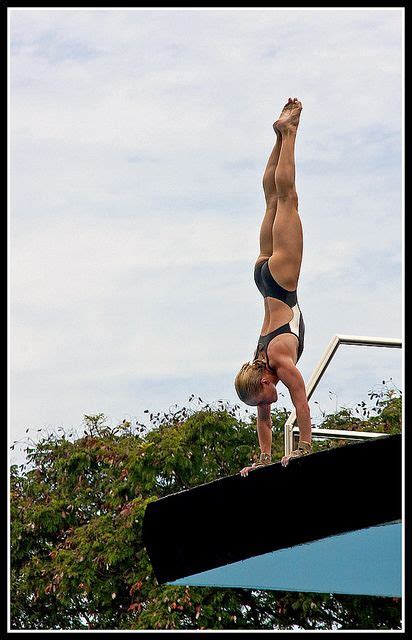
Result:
329,522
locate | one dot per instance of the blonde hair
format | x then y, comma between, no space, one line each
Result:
247,381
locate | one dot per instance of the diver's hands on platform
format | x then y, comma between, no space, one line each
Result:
304,449
264,460
285,460
245,471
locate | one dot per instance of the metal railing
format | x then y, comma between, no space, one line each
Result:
291,431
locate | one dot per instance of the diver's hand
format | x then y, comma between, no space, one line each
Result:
245,471
285,460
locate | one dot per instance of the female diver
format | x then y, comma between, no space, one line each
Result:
276,275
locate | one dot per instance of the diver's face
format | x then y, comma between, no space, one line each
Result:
268,395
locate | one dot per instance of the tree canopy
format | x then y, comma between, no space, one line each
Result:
77,506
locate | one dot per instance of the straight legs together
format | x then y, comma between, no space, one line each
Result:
281,237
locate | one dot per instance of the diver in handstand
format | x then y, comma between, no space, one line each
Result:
276,275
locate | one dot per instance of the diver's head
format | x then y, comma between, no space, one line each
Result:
255,384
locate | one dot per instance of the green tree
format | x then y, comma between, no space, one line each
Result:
77,506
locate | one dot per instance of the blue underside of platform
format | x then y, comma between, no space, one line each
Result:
362,562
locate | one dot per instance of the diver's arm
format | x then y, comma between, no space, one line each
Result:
291,377
264,429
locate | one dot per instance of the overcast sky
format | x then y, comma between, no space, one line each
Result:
138,140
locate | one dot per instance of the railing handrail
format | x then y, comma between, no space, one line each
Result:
322,366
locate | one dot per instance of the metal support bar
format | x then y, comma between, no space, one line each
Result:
340,434
320,370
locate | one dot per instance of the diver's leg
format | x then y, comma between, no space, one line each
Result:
269,184
286,259
269,188
287,234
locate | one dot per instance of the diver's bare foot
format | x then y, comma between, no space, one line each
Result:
289,118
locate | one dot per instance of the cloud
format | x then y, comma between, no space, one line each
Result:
138,143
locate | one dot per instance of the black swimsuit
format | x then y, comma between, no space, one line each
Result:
269,288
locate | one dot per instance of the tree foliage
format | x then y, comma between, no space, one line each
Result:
77,506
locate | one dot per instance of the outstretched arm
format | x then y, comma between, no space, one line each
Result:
264,429
291,377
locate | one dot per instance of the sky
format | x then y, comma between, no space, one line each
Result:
138,141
